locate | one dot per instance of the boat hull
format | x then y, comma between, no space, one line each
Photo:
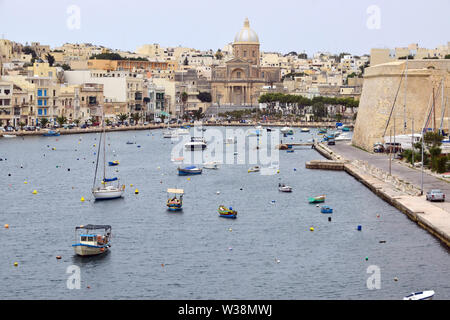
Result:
107,194
189,172
88,251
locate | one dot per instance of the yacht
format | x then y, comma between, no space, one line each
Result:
197,143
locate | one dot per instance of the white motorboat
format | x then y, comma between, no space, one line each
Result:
213,165
89,242
258,127
305,130
284,188
287,131
197,143
423,295
9,136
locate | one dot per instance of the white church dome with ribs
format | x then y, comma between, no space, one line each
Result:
246,35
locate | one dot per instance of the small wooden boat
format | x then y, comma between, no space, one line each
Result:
227,213
89,242
192,170
114,163
326,209
319,199
52,133
284,188
423,295
254,169
175,201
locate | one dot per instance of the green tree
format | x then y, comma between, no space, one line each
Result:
204,97
219,54
61,120
66,67
21,125
122,117
43,122
136,117
198,114
50,59
77,122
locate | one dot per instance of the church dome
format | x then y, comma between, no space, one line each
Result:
246,35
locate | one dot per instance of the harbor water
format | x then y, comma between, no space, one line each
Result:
268,252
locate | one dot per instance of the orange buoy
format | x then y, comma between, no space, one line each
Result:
6,226
58,257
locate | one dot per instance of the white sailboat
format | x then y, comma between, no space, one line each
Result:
110,188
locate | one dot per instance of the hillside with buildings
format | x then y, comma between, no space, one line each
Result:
81,81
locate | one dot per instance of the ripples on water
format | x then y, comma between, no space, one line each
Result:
194,246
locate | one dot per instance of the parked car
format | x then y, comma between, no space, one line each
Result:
378,147
435,195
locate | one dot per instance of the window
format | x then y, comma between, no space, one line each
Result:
253,54
83,238
238,74
39,112
40,93
245,53
39,102
45,112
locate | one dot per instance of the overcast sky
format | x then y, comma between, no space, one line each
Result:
310,26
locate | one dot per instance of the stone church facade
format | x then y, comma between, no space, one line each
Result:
240,81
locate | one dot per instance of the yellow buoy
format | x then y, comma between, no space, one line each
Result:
188,179
16,264
35,192
25,182
82,199
136,191
311,229
131,186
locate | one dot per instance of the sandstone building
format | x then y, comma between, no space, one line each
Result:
241,79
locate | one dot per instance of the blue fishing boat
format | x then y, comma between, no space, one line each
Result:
192,170
114,163
326,209
52,133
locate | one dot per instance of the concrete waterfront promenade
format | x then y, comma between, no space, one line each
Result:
23,133
401,189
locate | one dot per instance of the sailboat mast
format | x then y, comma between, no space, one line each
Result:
104,146
406,91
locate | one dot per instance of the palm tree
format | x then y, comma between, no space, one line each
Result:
136,117
61,120
122,117
43,122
